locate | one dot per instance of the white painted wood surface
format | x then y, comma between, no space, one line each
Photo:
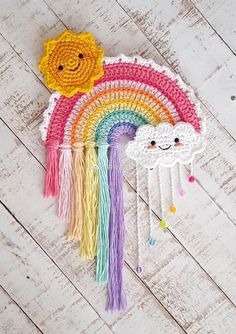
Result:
189,281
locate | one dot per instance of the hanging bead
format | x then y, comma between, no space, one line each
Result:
172,209
191,179
139,269
151,241
163,224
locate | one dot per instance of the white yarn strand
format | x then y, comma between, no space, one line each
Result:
192,168
138,268
161,198
151,223
172,187
180,170
180,176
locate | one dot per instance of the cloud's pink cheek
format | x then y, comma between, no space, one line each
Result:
178,145
151,147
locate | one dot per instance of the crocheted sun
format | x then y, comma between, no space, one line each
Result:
72,63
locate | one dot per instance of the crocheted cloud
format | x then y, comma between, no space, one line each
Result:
165,144
72,63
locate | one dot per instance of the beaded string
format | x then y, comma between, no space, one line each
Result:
138,268
191,178
172,207
181,190
151,239
162,222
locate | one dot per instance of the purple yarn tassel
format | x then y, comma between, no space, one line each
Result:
116,296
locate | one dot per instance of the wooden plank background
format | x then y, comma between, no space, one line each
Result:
189,280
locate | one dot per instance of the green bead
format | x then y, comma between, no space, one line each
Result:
163,224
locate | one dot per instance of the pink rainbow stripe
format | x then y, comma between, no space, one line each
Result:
128,71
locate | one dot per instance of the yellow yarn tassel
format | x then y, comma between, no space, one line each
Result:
75,227
88,244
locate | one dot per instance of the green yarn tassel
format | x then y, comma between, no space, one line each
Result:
103,216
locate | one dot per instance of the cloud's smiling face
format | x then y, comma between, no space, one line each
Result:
165,144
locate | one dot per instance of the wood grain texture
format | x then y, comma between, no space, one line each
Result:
221,15
218,188
203,229
180,296
174,277
188,43
12,318
189,279
39,287
41,222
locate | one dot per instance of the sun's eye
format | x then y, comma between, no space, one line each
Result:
176,140
81,56
60,67
153,143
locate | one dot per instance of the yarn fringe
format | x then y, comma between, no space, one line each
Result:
51,186
103,216
88,244
65,182
76,222
116,296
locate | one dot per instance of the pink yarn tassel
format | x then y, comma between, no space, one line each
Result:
51,186
65,182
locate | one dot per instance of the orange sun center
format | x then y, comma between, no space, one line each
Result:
72,63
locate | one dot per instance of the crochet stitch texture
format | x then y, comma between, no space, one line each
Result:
72,63
97,102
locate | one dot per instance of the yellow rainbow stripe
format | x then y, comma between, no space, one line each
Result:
84,126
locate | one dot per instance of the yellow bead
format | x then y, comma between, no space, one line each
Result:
172,209
163,224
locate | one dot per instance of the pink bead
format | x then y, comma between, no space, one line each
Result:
182,192
191,179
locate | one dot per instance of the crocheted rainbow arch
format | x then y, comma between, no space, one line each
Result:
97,101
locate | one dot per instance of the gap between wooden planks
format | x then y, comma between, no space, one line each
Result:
212,163
50,238
191,46
165,267
215,12
12,318
219,187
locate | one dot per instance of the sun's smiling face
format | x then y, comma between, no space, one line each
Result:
165,144
72,63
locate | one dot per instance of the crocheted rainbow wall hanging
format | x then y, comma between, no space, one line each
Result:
97,100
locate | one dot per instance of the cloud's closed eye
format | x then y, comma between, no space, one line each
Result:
165,144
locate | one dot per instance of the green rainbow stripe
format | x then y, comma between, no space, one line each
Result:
117,116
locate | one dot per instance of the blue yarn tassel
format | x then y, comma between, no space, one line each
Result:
103,216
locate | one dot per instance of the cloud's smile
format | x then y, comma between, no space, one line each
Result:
166,148
165,144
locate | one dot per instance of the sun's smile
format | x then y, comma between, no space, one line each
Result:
72,62
74,69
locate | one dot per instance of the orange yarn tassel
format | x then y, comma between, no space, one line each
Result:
51,187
